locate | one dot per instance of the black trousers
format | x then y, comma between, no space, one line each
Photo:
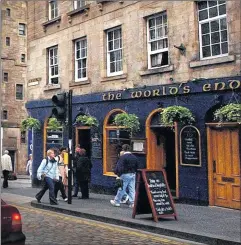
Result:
5,178
84,188
59,186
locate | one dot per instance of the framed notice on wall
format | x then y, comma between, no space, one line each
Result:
190,146
138,146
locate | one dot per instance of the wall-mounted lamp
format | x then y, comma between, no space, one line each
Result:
181,48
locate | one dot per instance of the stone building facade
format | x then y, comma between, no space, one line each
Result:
13,86
139,57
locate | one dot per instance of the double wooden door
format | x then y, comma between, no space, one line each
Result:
224,167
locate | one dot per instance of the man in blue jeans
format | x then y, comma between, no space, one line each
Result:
126,168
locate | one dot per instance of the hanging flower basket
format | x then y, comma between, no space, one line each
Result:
30,123
228,113
129,121
88,120
54,124
178,114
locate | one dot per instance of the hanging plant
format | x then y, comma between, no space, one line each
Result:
129,121
228,113
179,114
30,123
88,120
54,124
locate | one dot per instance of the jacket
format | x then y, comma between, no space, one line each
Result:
6,163
50,169
83,168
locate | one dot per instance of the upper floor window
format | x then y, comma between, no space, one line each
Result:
157,40
7,41
213,31
114,52
19,91
5,77
22,29
53,9
8,12
5,115
81,59
79,4
23,137
53,65
23,58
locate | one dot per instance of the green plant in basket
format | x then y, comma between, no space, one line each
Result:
228,113
178,114
30,123
88,120
53,124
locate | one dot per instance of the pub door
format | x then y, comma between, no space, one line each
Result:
224,166
83,139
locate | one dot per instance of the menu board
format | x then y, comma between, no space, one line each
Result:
190,146
153,195
96,147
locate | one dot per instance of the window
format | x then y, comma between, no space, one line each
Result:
213,32
5,115
5,77
53,65
23,137
80,59
114,52
8,12
157,40
19,91
7,41
22,29
53,9
23,57
79,4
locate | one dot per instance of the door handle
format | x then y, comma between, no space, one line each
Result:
214,166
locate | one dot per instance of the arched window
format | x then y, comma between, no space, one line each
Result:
114,138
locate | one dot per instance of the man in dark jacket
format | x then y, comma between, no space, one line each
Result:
126,169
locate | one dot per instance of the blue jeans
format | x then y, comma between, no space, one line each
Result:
129,181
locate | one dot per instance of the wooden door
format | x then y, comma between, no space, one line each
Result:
224,167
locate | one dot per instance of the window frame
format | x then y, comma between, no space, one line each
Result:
149,52
7,76
8,41
50,66
209,20
5,115
55,9
77,5
81,58
8,12
23,58
110,74
22,28
17,92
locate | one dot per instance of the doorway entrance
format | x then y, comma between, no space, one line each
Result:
12,155
224,165
83,139
161,149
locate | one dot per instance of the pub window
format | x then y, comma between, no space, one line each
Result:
114,138
81,59
5,77
22,29
53,65
79,4
53,9
213,30
23,137
23,58
19,91
5,115
7,41
8,12
157,40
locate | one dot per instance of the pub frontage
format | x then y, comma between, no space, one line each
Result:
201,160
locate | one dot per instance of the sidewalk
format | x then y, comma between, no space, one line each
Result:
208,225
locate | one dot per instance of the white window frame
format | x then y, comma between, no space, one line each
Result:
53,8
79,4
54,63
22,91
219,17
156,39
81,58
109,74
22,29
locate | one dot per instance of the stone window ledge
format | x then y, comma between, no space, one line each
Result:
157,70
79,83
79,10
50,22
114,78
52,87
214,61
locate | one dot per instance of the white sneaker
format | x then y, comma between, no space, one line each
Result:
125,199
57,199
66,199
114,203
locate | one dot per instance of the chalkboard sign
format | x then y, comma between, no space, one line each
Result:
190,146
96,147
153,195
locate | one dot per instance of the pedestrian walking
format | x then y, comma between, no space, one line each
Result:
6,164
59,185
126,168
125,197
29,167
49,174
76,184
83,172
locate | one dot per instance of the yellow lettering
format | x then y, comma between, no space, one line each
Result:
104,97
147,93
118,96
164,90
136,94
186,89
219,86
156,92
173,90
111,96
207,87
234,84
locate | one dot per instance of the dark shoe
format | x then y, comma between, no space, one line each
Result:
74,196
38,200
54,203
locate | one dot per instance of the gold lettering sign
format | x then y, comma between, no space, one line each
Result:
156,92
219,86
234,84
207,87
147,93
136,94
186,89
173,90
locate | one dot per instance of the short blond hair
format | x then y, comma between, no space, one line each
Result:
50,151
122,153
